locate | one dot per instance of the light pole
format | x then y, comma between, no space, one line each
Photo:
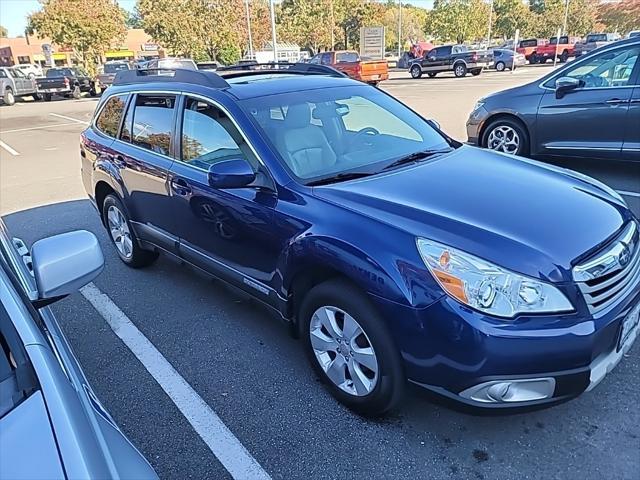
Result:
566,16
333,38
246,5
273,31
490,24
399,29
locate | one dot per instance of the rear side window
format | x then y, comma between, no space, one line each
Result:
153,123
109,119
348,57
326,59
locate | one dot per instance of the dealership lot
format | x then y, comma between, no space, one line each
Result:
242,367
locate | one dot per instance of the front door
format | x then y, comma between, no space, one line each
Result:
226,232
437,59
589,121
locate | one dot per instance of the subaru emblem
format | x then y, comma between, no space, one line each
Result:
625,256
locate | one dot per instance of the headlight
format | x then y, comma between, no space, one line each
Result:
487,287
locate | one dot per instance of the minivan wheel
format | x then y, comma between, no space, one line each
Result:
416,71
122,235
351,349
507,136
460,70
9,98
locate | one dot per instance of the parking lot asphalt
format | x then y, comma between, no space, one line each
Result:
243,364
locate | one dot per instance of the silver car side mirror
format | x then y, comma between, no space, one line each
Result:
566,84
64,263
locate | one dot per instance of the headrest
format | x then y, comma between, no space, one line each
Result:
298,115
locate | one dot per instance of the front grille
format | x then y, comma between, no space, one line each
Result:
613,273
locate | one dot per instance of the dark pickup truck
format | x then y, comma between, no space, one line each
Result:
450,58
66,81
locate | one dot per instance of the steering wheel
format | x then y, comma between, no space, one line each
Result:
591,80
370,131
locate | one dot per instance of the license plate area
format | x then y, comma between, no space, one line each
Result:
629,323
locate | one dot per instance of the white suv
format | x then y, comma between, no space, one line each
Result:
30,70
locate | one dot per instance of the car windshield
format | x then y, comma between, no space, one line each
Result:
597,37
115,67
325,132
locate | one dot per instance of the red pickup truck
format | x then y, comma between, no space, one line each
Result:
528,47
564,49
349,62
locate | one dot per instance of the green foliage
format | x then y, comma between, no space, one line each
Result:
414,20
510,15
621,17
458,20
3,32
134,19
87,26
229,54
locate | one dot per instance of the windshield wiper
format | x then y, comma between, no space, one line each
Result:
340,177
414,157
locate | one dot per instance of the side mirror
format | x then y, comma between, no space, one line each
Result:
233,173
565,85
64,263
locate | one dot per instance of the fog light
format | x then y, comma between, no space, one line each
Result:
510,391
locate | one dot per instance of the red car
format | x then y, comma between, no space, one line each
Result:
563,49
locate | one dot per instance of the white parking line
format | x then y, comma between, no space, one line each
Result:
69,118
224,445
629,194
26,129
8,149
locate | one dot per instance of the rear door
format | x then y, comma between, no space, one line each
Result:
143,155
631,145
347,62
589,121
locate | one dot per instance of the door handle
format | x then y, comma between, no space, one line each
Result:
616,101
180,186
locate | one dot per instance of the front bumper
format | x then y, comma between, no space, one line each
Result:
453,350
474,125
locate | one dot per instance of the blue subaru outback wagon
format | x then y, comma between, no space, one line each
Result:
393,251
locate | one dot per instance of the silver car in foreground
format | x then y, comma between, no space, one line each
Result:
51,423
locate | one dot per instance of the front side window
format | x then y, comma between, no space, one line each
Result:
326,59
209,136
109,120
315,59
15,73
608,70
346,57
329,131
153,123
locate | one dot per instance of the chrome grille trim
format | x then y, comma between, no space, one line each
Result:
606,278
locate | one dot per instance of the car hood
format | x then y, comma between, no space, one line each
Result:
523,215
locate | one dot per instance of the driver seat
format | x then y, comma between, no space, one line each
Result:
304,146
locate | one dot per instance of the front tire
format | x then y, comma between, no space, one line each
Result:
500,66
506,135
351,349
9,98
122,236
46,97
564,56
415,71
76,92
460,70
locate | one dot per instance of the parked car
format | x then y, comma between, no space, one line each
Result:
15,84
349,62
593,41
392,250
562,49
450,58
528,46
170,63
589,108
109,70
52,424
211,66
633,34
65,81
503,59
31,70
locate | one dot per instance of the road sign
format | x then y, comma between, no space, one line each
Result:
372,42
48,54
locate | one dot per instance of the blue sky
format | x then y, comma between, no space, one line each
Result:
13,13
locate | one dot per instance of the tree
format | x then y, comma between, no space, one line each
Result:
134,19
351,15
620,17
458,20
511,15
414,20
87,26
550,16
3,32
306,23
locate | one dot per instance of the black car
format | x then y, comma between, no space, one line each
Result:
66,81
589,108
450,58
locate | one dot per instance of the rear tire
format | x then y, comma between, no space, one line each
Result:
76,92
46,97
9,98
432,74
460,70
345,309
476,72
564,56
415,71
115,219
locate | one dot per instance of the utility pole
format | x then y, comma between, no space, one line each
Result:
399,29
274,41
566,16
490,24
246,4
333,38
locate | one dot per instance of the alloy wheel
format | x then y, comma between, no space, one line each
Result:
120,233
344,351
504,138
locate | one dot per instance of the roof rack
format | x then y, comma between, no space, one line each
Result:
295,68
178,75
